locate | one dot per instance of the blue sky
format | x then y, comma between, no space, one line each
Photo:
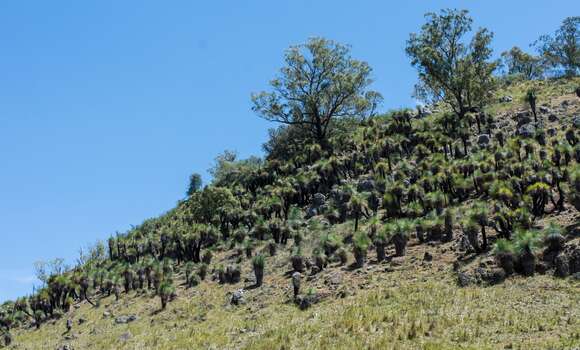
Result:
106,107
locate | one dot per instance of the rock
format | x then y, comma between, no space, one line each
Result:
506,99
366,185
526,130
65,347
552,131
318,202
576,121
523,118
576,276
318,199
237,297
464,244
483,140
552,117
82,320
493,276
565,103
125,336
544,109
125,319
106,314
306,301
428,257
464,280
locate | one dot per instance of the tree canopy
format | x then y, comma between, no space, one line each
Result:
319,83
451,70
561,51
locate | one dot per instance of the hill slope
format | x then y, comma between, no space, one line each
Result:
441,294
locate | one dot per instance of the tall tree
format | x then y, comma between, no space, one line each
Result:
319,83
451,70
520,63
562,51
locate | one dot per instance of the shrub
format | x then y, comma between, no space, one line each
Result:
202,271
207,256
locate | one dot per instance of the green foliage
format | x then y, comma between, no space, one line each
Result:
561,51
319,83
522,64
449,70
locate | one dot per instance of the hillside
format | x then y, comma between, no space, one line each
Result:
433,285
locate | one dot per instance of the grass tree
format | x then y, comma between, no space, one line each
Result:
527,242
381,240
399,231
504,251
361,244
166,290
538,195
358,206
480,214
531,99
471,231
258,263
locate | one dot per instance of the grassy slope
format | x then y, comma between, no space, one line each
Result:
400,304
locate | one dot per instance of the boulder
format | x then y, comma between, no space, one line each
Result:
562,266
237,297
506,99
483,140
544,109
365,185
464,279
523,118
576,121
527,130
125,319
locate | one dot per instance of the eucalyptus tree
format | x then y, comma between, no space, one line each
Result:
451,70
320,83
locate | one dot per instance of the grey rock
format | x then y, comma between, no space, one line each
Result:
523,118
428,256
506,99
544,109
464,280
552,131
552,117
576,121
318,199
237,297
527,130
483,140
82,320
65,347
125,319
366,185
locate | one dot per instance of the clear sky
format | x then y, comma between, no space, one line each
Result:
106,107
